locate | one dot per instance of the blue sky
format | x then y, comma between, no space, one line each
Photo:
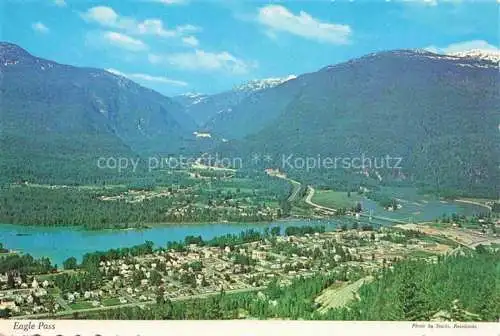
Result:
178,46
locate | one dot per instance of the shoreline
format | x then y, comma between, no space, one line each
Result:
148,226
474,203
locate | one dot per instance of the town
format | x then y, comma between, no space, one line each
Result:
142,275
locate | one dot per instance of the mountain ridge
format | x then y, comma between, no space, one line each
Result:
440,113
47,102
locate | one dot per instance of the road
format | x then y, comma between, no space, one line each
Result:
296,186
134,304
296,189
487,241
463,237
308,200
310,195
388,219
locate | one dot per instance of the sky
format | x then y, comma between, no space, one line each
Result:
209,46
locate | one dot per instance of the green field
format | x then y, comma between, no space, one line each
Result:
335,199
111,302
81,305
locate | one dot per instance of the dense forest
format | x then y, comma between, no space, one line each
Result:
210,196
456,288
25,264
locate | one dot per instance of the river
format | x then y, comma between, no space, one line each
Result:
62,242
59,243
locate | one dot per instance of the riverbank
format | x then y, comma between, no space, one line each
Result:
59,243
474,203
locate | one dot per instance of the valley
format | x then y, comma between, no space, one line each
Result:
195,195
96,222
196,269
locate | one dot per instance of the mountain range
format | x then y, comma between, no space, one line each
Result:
439,113
56,118
209,110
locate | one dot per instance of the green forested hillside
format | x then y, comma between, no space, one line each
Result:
461,288
439,115
57,120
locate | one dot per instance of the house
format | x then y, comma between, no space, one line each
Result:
7,304
4,277
260,255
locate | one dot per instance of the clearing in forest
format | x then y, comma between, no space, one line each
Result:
337,296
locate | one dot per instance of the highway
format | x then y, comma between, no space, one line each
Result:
308,200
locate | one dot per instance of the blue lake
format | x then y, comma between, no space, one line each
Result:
61,243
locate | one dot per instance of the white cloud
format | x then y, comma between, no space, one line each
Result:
148,78
191,41
188,29
464,46
40,27
156,27
60,3
103,15
107,17
279,19
124,41
154,59
200,60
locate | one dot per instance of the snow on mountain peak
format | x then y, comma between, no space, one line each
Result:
481,54
260,84
194,97
192,94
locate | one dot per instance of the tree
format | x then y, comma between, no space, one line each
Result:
415,302
275,231
155,278
481,249
5,313
358,207
10,281
286,208
70,263
160,298
496,207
